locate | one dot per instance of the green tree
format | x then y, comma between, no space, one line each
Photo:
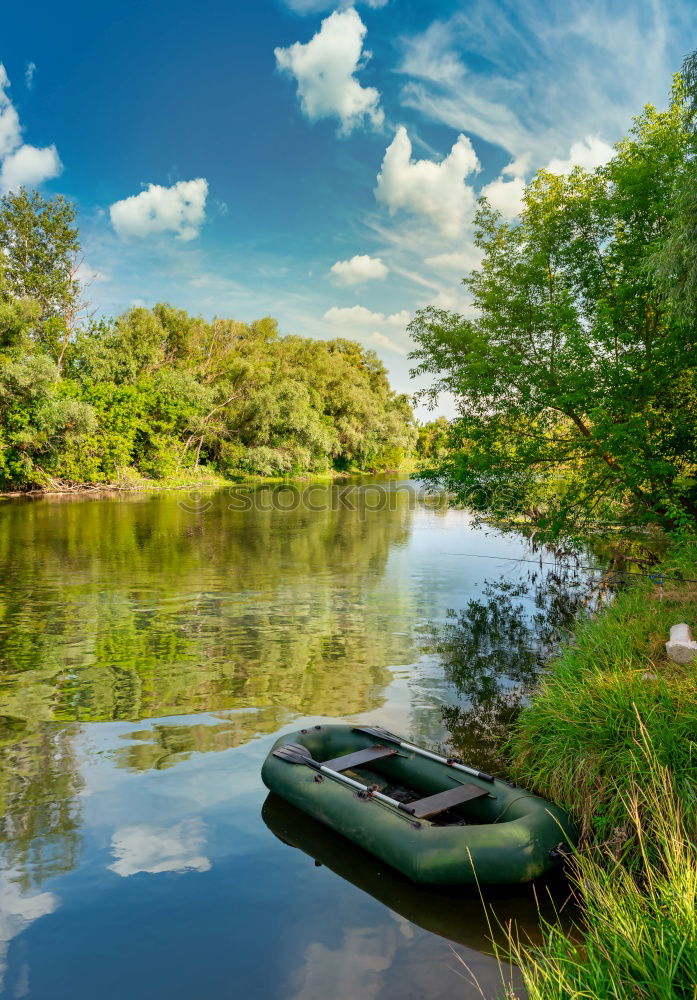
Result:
675,262
36,416
576,380
433,439
40,246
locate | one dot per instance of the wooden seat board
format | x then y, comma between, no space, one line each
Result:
434,804
359,757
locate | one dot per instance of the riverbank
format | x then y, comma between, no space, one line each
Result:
611,736
130,481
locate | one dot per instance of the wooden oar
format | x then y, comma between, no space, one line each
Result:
294,753
383,734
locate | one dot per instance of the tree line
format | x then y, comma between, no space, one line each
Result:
162,393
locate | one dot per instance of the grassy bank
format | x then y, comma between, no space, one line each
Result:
612,736
131,481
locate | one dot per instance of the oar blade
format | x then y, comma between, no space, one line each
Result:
294,753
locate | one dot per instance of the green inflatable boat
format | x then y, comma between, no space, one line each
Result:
435,819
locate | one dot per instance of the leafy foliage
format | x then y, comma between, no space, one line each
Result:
675,262
162,392
576,378
37,419
40,252
433,439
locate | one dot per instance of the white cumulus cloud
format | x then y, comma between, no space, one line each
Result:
378,339
355,321
400,318
10,131
424,187
179,209
519,167
324,70
29,166
505,196
589,153
360,316
359,268
315,6
20,163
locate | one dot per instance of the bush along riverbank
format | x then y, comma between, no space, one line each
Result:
612,736
129,480
157,395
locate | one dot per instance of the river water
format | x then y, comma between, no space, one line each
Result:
151,650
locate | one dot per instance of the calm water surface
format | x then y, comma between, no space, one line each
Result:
151,649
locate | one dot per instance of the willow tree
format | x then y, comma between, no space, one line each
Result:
575,378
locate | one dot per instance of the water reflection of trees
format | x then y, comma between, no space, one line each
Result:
494,649
163,745
141,608
40,805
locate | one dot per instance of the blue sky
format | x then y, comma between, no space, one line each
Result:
313,161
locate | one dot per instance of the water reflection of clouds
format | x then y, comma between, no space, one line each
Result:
18,910
155,849
396,958
355,968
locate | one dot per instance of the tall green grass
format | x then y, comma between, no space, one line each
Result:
612,736
576,743
639,939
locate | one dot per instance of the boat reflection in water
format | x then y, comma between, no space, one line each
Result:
462,915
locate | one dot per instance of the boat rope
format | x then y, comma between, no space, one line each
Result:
523,795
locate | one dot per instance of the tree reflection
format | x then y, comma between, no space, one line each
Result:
138,608
494,649
40,806
166,744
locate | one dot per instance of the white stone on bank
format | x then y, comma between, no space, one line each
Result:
681,647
